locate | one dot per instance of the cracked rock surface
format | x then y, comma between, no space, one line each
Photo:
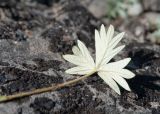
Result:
35,34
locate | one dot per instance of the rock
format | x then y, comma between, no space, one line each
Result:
154,37
32,41
135,30
43,105
4,3
152,5
46,2
135,9
153,26
153,20
97,8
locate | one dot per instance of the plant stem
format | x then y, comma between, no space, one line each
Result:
42,90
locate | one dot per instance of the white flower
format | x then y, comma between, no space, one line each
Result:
105,46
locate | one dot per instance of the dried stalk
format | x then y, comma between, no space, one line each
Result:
42,90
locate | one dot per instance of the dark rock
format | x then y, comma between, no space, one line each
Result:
42,65
156,111
33,36
59,38
20,35
17,80
144,86
76,18
12,31
47,2
75,100
43,105
8,3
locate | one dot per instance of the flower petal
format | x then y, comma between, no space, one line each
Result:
78,70
107,78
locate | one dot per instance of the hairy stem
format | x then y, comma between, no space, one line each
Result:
42,90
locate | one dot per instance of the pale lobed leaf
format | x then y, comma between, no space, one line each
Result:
105,50
79,70
122,82
80,61
111,54
110,34
114,66
76,51
120,72
124,73
85,53
99,47
107,78
116,40
106,44
102,41
103,35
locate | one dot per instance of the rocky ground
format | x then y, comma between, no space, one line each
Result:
35,34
